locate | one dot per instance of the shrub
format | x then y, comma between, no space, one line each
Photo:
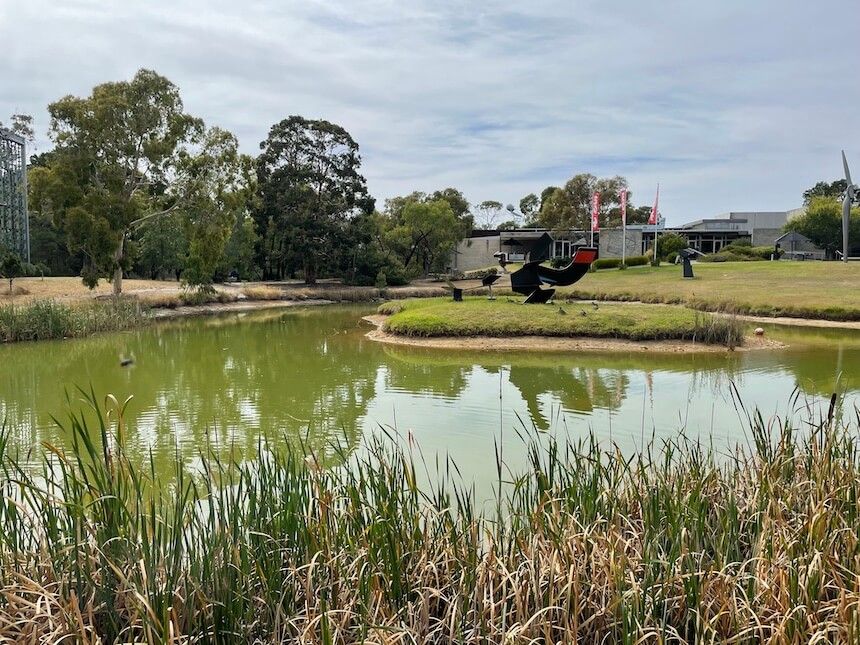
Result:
381,280
636,261
206,296
606,263
670,243
725,256
558,263
479,274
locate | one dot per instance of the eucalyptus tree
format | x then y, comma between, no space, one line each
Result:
115,165
309,188
216,183
569,207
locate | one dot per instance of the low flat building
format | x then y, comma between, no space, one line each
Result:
761,228
522,244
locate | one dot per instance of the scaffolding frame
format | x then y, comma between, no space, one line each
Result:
14,220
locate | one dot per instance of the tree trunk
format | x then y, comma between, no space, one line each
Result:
117,273
310,272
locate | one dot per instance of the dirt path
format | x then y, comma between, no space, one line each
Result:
553,344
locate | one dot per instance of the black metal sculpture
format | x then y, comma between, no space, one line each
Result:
529,279
487,281
685,255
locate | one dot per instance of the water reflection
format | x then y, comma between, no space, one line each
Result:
310,375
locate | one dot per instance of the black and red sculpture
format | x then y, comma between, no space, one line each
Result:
529,279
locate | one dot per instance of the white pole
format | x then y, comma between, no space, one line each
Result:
654,259
623,228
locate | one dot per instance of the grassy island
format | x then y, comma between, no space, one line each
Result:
505,317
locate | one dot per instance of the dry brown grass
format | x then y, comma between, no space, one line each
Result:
71,288
263,292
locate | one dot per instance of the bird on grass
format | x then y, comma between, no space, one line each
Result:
562,311
595,305
582,312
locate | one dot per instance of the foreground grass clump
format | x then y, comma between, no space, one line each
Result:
47,319
508,317
823,290
677,544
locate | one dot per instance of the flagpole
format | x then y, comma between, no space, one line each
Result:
595,213
623,227
654,220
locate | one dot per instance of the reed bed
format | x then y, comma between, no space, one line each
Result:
48,319
676,544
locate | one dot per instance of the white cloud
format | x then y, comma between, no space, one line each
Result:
730,105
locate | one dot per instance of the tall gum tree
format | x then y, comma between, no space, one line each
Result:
114,162
309,187
569,207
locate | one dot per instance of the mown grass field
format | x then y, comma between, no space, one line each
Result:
506,316
827,290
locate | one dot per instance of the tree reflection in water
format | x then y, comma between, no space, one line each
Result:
309,374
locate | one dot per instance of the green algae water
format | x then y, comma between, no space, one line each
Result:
307,376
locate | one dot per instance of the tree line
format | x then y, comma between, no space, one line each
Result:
134,185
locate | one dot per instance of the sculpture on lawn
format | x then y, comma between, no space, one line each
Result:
529,279
851,191
684,256
457,292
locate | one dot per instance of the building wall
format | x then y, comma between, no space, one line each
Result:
796,243
766,236
761,219
611,242
476,253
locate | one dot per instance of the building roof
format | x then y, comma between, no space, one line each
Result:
11,136
793,236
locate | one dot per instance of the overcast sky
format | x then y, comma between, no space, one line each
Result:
730,105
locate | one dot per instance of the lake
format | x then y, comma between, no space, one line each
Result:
308,375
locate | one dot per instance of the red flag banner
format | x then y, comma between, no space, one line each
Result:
595,211
653,218
624,207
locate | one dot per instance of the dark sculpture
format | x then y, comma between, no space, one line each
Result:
685,255
851,190
487,281
532,275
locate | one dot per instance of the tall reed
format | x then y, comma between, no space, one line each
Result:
675,544
48,319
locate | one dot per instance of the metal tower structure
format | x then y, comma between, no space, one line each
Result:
14,222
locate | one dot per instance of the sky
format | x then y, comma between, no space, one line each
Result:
729,105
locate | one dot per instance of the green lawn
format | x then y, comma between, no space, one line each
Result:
828,290
506,316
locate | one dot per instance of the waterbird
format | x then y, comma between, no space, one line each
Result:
125,361
595,305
